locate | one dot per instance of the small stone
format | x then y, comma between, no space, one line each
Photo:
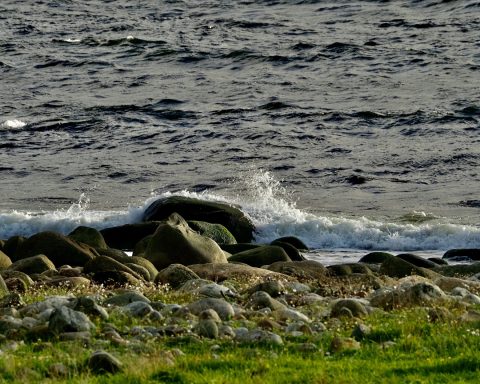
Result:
101,362
207,328
274,288
137,309
261,299
307,348
126,298
209,314
243,335
290,315
223,308
356,308
361,331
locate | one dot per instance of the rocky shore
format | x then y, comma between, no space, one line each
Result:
189,277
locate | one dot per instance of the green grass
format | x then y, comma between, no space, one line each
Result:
403,347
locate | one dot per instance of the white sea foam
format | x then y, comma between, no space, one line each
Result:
270,208
13,124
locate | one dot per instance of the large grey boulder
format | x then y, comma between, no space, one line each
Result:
64,319
212,212
175,242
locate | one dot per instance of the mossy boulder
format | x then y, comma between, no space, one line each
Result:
175,275
375,257
128,235
89,236
174,242
141,261
471,253
34,264
227,215
5,261
398,268
216,232
260,256
60,249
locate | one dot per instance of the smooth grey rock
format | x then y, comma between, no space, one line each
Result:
137,309
125,298
207,328
64,319
243,335
356,307
223,308
101,362
262,299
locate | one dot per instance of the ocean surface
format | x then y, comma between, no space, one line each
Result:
354,125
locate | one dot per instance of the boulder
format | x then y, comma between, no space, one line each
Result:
222,307
261,299
349,268
124,298
417,260
221,272
142,245
212,212
293,241
398,268
114,253
471,253
58,248
292,252
88,236
116,278
5,261
139,270
306,270
438,261
128,235
463,270
105,264
101,362
239,247
261,256
356,307
34,264
11,245
64,319
375,257
175,275
175,242
216,232
141,261
3,287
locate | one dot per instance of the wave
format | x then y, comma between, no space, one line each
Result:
274,213
13,124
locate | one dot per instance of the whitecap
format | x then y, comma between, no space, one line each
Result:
13,124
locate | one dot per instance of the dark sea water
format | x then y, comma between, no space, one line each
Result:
351,124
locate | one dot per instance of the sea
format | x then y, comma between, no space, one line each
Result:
353,125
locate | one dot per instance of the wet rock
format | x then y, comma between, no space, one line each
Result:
128,235
398,268
101,362
216,232
471,253
375,257
292,252
356,307
65,319
175,275
258,257
58,248
348,269
223,308
308,269
417,260
294,241
89,236
175,242
212,212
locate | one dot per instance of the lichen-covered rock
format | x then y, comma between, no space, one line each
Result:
58,248
174,242
33,264
212,212
89,236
